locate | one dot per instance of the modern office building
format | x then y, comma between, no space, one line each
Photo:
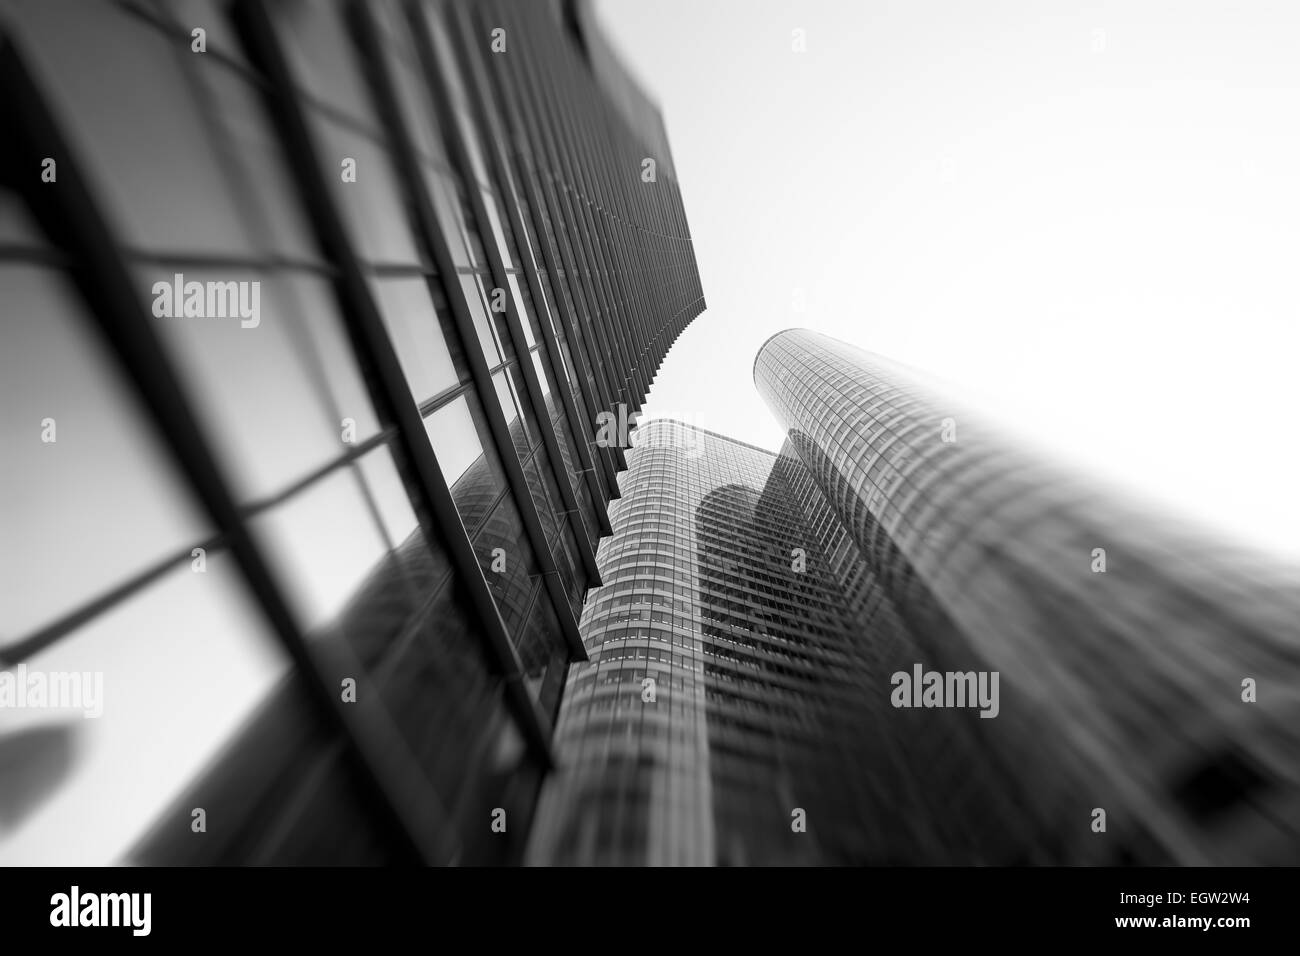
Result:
721,696
311,311
735,707
741,703
1147,669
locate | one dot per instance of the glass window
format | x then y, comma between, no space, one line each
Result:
99,501
446,206
116,80
540,503
324,61
469,464
504,382
179,667
475,298
513,586
266,184
417,335
273,387
386,489
328,350
525,404
324,543
412,94
444,52
374,207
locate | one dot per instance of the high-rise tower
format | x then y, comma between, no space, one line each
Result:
786,652
721,717
312,310
1134,654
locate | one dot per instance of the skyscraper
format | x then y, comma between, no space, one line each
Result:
1143,664
722,703
735,708
314,309
758,649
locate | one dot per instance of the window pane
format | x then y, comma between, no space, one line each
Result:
374,207
274,394
446,207
322,57
102,501
385,487
116,81
472,287
417,335
181,665
526,406
465,454
323,543
512,586
269,200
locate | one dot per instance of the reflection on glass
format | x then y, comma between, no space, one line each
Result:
512,574
504,383
481,479
181,665
324,542
388,493
455,439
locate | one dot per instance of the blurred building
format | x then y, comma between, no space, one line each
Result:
735,707
1147,669
740,704
723,696
312,310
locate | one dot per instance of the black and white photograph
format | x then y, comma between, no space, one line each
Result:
577,435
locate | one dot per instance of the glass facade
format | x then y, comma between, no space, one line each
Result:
726,713
740,701
309,323
1122,639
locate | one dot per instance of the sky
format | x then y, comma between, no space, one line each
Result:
1085,216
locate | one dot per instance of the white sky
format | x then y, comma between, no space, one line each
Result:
1102,245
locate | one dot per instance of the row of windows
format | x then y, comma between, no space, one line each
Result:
114,562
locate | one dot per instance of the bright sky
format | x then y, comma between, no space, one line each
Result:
1085,214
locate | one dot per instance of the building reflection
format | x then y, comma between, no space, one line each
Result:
328,560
